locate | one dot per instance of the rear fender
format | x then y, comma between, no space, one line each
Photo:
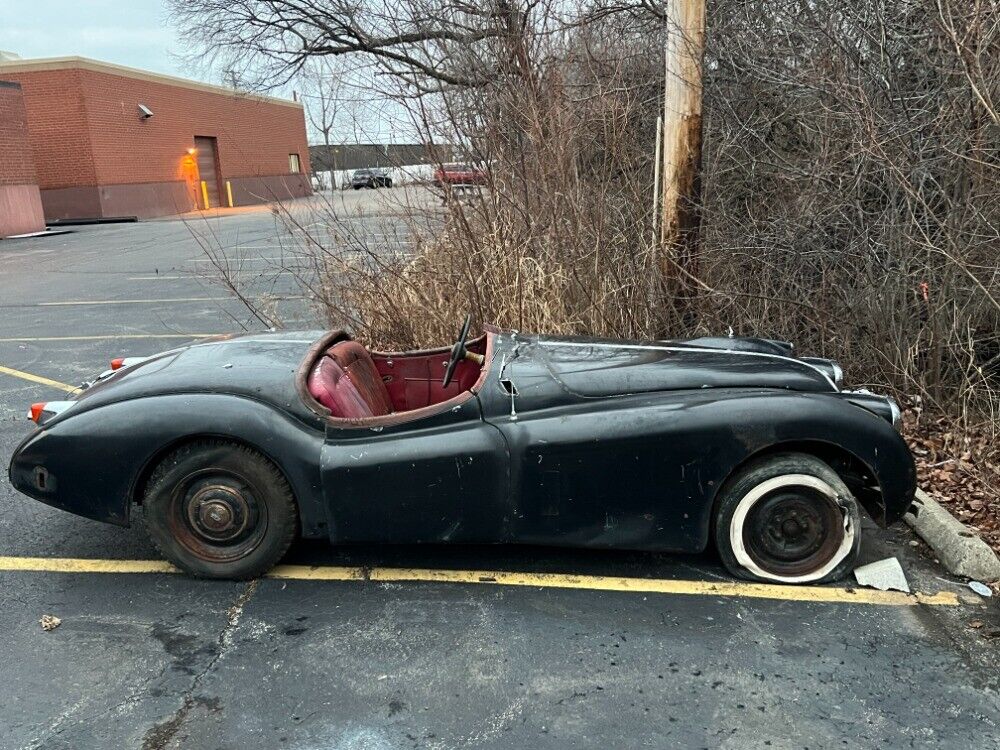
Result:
96,462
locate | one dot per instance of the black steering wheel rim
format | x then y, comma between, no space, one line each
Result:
458,352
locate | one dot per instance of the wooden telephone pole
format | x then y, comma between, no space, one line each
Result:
679,149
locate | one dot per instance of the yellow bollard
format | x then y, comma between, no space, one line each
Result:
204,193
229,193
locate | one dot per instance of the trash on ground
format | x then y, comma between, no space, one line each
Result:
49,622
980,588
883,575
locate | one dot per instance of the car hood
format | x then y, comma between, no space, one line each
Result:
258,366
602,367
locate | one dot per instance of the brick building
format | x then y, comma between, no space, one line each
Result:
111,141
20,202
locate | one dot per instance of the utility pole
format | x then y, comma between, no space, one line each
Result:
680,172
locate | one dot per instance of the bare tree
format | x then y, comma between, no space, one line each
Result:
322,83
428,42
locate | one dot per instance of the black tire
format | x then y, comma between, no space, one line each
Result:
787,518
388,183
218,509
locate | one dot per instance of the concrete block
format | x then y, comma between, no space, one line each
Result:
958,548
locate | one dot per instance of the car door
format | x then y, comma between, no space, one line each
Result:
439,477
595,472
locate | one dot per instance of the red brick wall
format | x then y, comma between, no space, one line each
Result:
17,167
254,137
20,203
58,127
86,129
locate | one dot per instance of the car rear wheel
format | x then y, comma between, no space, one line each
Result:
788,518
218,509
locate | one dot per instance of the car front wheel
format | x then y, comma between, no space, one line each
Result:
787,518
218,509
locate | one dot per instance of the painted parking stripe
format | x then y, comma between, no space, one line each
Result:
38,379
78,565
245,271
736,589
109,336
70,303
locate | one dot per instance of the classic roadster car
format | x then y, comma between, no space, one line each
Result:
231,448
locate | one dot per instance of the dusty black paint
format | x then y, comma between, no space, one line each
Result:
605,444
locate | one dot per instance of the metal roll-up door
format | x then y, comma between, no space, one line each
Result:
207,172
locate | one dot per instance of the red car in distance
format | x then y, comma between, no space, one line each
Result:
459,174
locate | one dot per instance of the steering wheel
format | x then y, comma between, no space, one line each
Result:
459,352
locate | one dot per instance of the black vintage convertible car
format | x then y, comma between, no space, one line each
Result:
232,448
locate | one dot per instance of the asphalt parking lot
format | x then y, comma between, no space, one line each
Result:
582,656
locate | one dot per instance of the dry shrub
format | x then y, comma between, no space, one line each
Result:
851,177
852,171
561,238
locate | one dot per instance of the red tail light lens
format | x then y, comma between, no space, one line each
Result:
117,362
36,411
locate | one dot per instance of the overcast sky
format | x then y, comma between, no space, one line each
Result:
136,33
127,32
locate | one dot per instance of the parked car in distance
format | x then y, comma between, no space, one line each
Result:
459,174
372,177
231,448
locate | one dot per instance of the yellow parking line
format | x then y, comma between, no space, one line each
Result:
738,589
103,337
38,379
614,583
78,565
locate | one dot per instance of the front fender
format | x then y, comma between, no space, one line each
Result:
833,426
91,463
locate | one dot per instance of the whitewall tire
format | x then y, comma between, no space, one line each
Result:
787,518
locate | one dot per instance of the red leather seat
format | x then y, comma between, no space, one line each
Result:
346,382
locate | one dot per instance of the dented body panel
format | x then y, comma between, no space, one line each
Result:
578,442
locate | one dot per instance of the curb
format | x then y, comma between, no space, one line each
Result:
958,548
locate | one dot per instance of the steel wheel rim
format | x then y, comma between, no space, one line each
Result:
793,531
823,560
217,515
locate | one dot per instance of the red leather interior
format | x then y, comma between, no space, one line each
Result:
352,383
347,383
413,379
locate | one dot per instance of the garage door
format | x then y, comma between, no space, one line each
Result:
207,162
